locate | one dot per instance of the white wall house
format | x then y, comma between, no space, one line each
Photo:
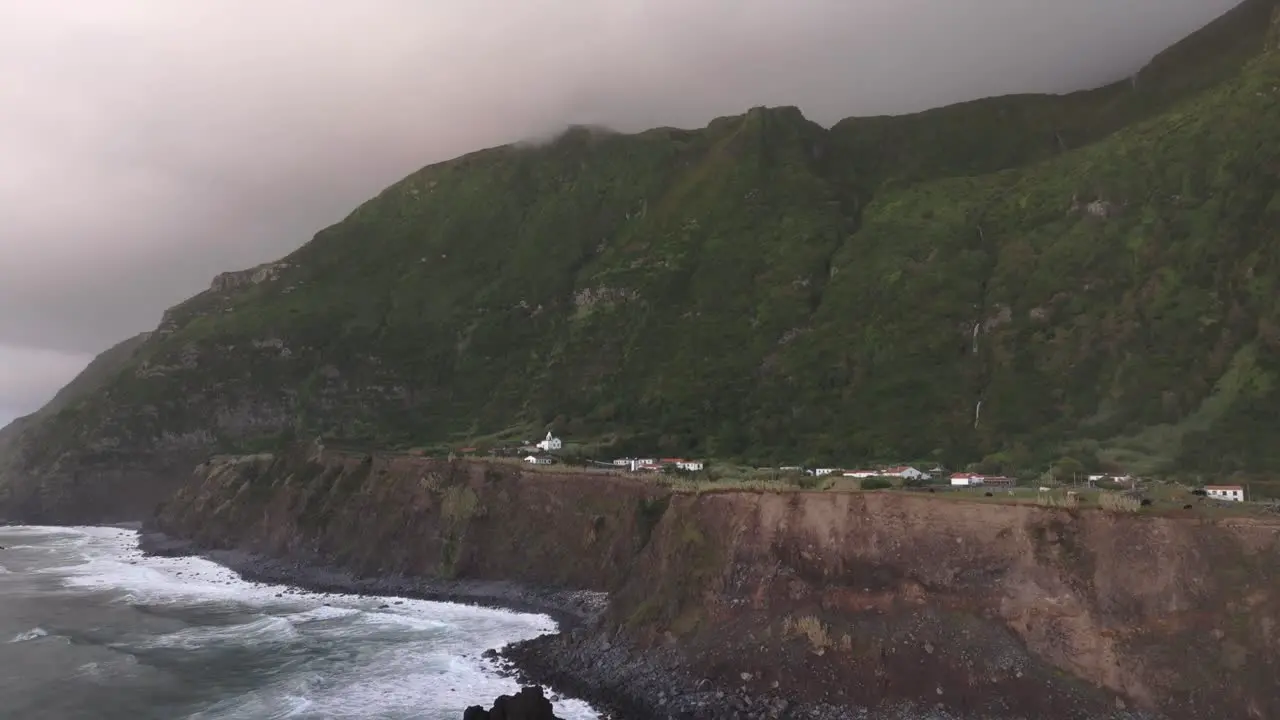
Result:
905,472
536,460
551,442
967,479
860,473
690,465
819,472
1234,493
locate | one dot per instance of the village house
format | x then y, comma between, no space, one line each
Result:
1096,478
967,479
1234,493
905,472
861,473
820,472
682,464
999,481
638,464
550,443
538,460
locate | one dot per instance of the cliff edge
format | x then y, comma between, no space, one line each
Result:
813,602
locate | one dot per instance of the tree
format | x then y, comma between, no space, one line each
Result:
1065,469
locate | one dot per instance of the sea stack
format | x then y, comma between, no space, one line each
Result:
528,704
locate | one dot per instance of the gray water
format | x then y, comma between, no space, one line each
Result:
91,628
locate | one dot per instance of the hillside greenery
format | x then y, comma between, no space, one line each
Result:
1009,281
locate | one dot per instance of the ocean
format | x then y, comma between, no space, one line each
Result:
92,628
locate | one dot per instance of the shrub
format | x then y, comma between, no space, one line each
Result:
841,484
876,484
1067,501
810,628
1117,502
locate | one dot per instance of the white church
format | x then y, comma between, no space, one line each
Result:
550,443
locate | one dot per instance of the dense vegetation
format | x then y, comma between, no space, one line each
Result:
1008,281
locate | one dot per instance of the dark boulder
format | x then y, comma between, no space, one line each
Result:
528,704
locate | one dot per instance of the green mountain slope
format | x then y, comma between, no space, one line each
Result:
1014,279
997,133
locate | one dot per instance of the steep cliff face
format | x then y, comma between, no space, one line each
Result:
391,514
964,599
853,598
90,475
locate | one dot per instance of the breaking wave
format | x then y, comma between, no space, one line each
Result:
229,649
31,634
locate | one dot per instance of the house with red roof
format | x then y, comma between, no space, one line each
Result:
966,479
906,472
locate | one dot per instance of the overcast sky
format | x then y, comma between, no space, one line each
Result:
146,145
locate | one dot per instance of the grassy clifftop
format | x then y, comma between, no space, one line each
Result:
1016,279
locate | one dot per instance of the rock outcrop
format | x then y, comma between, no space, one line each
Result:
528,704
821,602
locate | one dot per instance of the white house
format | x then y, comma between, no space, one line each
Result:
861,473
623,462
690,465
967,479
1234,493
905,472
819,472
538,460
550,443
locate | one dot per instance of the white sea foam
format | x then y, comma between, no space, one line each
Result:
260,632
324,613
347,656
31,634
32,548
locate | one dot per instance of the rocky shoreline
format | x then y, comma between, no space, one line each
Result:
528,704
620,681
568,608
571,610
584,660
656,685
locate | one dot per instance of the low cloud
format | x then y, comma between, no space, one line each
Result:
29,377
149,145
